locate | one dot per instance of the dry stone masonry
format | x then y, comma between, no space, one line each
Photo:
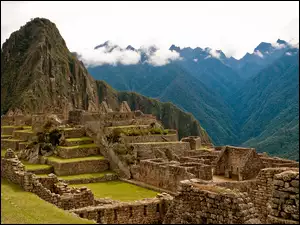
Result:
206,183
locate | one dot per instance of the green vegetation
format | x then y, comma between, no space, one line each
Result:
79,146
23,127
32,167
12,140
3,136
3,151
24,131
61,160
86,175
79,139
20,207
118,190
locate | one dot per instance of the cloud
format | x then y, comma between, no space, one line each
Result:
195,60
288,53
161,57
278,46
258,53
109,54
214,53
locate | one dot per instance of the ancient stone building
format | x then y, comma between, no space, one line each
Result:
238,163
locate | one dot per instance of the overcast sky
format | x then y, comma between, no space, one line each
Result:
234,27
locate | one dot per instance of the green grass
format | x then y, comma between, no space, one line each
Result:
24,127
69,128
79,139
118,190
79,146
11,139
32,167
20,207
129,126
154,143
86,175
5,135
61,160
3,151
24,131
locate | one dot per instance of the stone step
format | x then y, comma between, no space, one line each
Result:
73,132
10,143
6,136
22,145
78,141
90,164
90,177
142,127
150,149
151,138
37,168
85,150
136,121
25,135
10,129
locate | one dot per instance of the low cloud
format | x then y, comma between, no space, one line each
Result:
109,54
288,53
258,53
162,57
214,53
278,46
195,60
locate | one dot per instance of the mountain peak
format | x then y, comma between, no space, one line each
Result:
279,41
129,47
174,48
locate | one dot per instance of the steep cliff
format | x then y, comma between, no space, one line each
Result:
39,74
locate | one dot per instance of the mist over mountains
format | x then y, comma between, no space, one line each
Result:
238,102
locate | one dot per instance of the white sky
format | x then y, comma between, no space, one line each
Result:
233,27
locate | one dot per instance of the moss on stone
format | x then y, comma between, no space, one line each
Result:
79,146
86,175
61,160
79,139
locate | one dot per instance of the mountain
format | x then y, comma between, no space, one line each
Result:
172,83
263,55
39,74
238,102
268,107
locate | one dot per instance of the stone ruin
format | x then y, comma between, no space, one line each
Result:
205,183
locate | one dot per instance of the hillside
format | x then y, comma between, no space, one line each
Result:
172,83
39,74
236,101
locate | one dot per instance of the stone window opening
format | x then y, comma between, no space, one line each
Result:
81,215
157,208
130,211
115,214
145,210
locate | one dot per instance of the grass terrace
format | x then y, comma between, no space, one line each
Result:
79,139
32,167
62,160
118,190
24,127
86,175
79,146
3,151
24,131
4,136
11,139
20,207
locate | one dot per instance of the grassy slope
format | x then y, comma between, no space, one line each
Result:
118,190
18,206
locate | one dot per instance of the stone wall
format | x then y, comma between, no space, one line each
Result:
79,167
270,162
167,175
206,204
49,189
262,191
195,141
154,150
106,177
68,153
284,204
148,211
16,120
151,138
38,120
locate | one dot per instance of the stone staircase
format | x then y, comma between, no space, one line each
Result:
78,160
